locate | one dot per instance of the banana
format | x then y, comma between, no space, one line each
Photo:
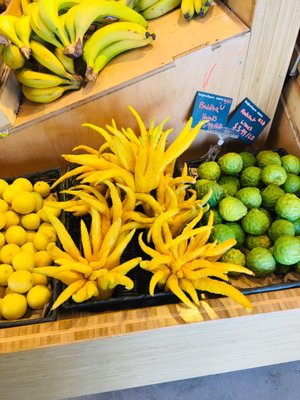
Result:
7,28
37,79
187,9
46,58
161,7
197,6
41,29
103,11
70,24
111,51
24,4
13,57
49,12
205,7
109,34
67,62
46,95
141,5
23,29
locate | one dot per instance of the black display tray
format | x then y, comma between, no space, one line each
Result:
46,315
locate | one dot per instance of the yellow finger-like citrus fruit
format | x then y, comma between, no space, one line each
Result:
20,281
13,306
38,297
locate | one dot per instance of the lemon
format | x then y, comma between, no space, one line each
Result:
24,202
11,218
5,271
40,241
30,236
3,186
2,220
20,281
28,247
38,297
31,221
2,239
11,192
24,183
39,279
15,234
3,206
39,201
42,258
13,306
41,187
7,252
23,261
47,229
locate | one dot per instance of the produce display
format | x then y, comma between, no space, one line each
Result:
127,185
255,199
25,233
56,47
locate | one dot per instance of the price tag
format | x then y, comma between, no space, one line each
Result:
212,107
248,121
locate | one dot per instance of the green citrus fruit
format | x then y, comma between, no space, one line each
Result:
288,207
221,232
287,250
217,217
248,158
297,226
260,261
291,164
251,176
250,196
234,256
203,189
232,209
292,184
270,194
231,163
255,222
209,170
267,157
258,241
239,234
281,227
273,174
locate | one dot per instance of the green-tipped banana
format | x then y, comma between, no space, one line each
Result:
46,58
70,23
7,28
142,5
37,79
41,29
67,62
111,51
204,8
187,9
103,11
46,95
13,57
23,29
49,12
109,34
161,7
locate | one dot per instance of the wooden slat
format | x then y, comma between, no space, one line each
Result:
243,9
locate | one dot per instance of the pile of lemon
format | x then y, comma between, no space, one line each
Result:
25,233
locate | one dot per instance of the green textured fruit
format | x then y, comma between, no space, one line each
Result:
248,158
230,184
221,232
267,157
273,174
250,176
281,227
229,189
260,261
270,194
255,222
234,256
287,250
231,163
209,170
217,217
203,189
282,269
266,212
296,225
292,184
258,241
288,207
232,209
250,196
291,164
239,234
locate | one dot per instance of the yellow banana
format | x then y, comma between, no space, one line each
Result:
37,79
46,58
187,9
46,95
7,28
13,57
23,29
204,7
24,5
142,5
67,62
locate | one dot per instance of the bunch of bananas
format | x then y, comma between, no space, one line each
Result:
129,184
43,42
